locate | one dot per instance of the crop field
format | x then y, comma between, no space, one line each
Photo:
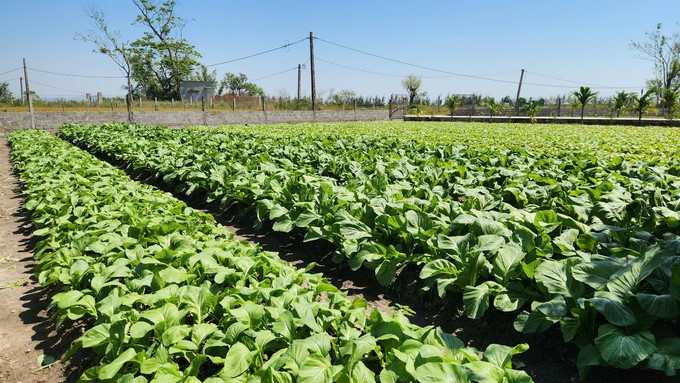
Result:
568,229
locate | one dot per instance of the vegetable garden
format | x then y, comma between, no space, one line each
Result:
571,228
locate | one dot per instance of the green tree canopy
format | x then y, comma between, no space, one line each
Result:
238,84
162,56
622,101
583,96
5,93
644,103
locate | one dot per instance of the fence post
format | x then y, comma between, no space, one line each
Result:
155,103
202,104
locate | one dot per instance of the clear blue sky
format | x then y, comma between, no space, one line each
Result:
586,42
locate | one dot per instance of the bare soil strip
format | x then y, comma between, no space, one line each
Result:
28,340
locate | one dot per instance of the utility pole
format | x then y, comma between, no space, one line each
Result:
519,88
311,60
299,79
28,97
21,86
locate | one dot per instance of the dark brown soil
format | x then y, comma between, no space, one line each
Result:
26,334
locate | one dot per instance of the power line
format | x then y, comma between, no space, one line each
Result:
276,74
73,75
357,69
382,74
10,79
454,73
54,87
581,83
10,71
415,65
284,46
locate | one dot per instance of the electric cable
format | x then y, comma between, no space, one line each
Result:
259,53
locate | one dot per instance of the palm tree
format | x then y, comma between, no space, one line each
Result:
643,103
493,106
583,96
669,101
532,109
453,103
622,101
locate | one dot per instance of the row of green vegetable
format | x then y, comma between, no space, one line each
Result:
169,296
587,242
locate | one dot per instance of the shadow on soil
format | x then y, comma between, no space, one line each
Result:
51,341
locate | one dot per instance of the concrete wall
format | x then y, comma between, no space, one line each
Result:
51,121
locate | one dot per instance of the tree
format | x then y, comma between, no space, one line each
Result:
669,101
162,56
109,42
453,103
343,97
5,93
643,103
238,84
664,51
202,74
532,109
583,96
622,101
411,83
492,106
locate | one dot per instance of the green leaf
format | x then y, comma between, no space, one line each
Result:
612,307
626,280
501,356
284,225
565,241
440,372
317,369
597,272
489,243
385,271
533,322
675,283
97,336
588,356
238,360
507,260
588,243
362,374
554,277
555,308
439,268
108,371
623,350
476,298
277,211
667,356
139,329
306,218
661,306
546,221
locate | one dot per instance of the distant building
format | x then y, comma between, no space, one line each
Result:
194,90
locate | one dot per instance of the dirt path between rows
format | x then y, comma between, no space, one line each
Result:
28,341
